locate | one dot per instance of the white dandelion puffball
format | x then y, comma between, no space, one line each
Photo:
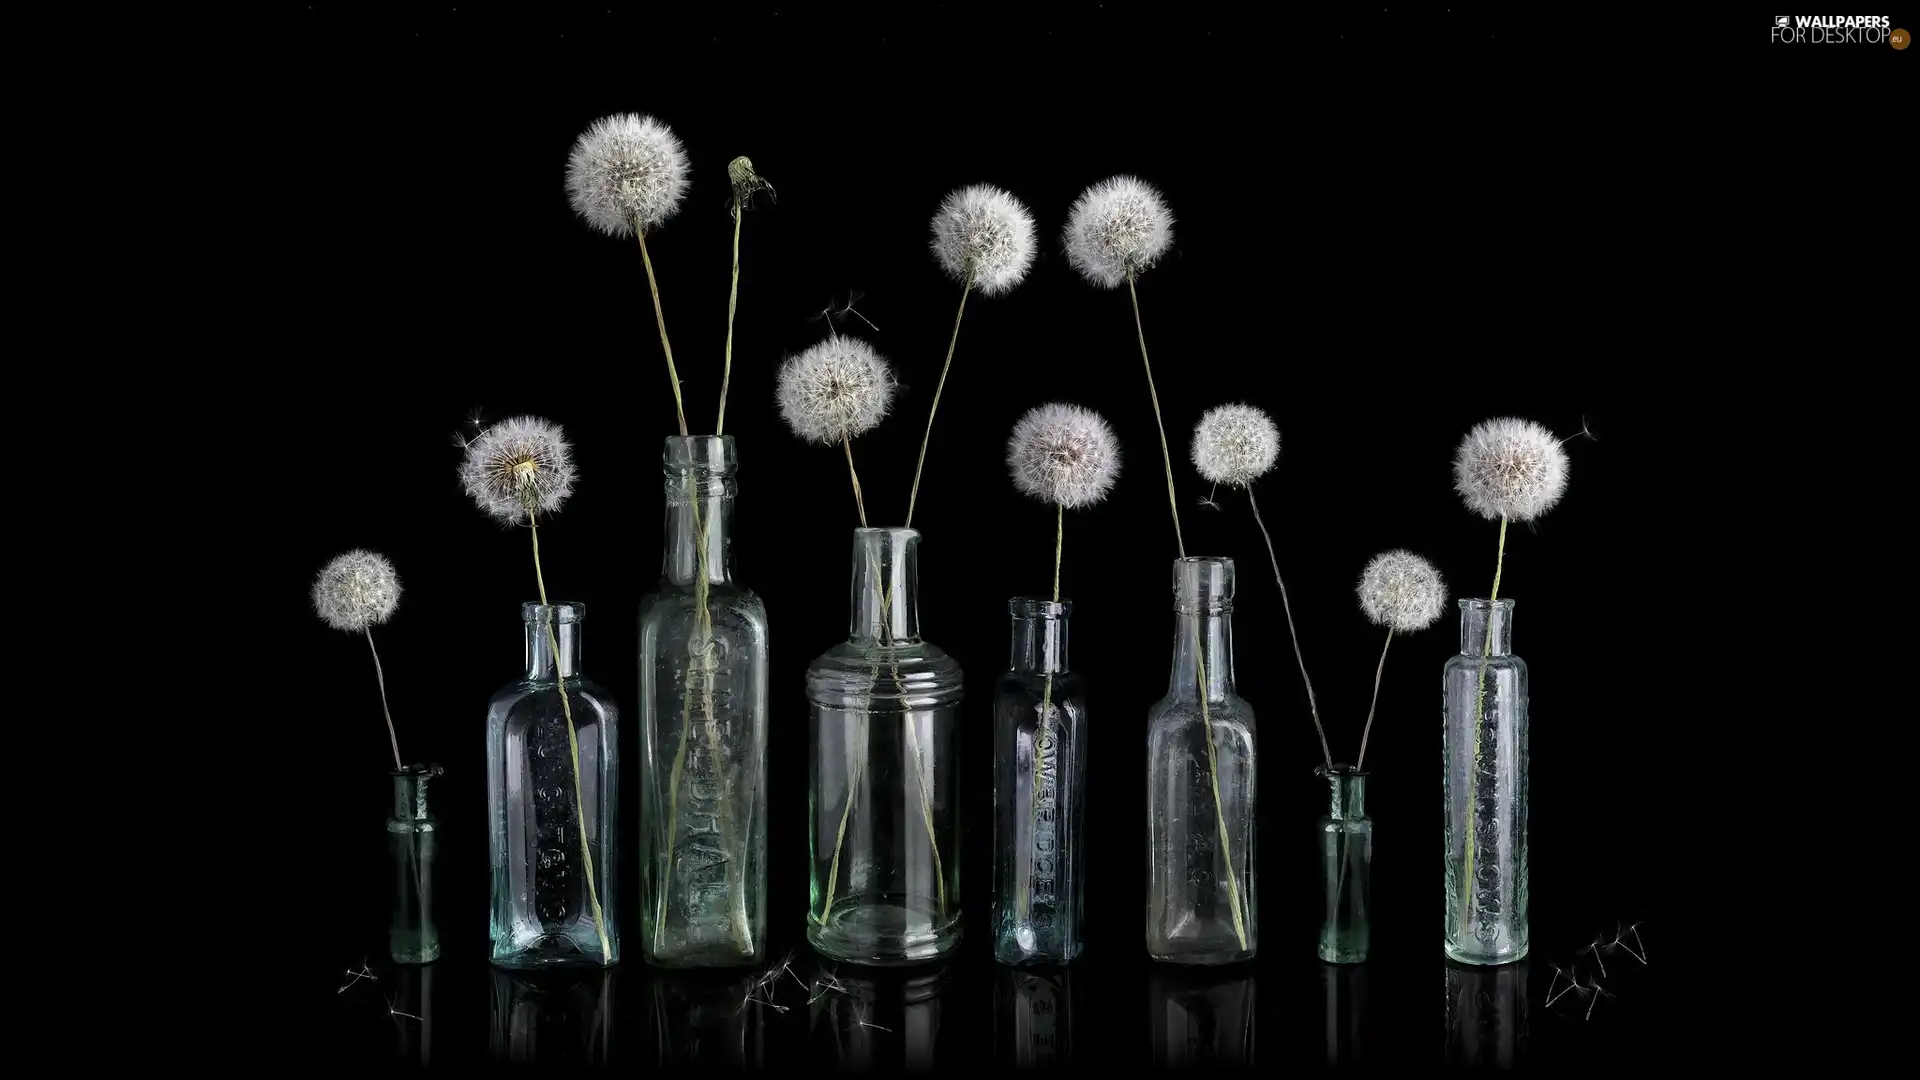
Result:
1402,591
837,389
356,590
1235,444
626,173
1510,468
1117,228
984,235
518,467
1064,454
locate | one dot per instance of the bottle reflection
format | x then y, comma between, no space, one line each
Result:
552,1017
1199,1018
1486,1016
1345,993
878,1019
411,1009
713,1018
1033,1014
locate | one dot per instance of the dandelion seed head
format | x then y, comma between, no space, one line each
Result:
1510,468
356,590
626,173
1235,444
984,234
1117,227
1063,454
837,389
518,467
1402,591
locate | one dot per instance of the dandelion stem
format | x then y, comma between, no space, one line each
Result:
858,501
1364,732
733,298
1313,705
1166,456
381,675
1046,705
573,747
660,318
1199,658
914,497
1479,714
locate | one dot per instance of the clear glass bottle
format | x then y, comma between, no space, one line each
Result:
1484,749
413,932
1346,867
1037,852
549,910
884,774
1200,784
703,729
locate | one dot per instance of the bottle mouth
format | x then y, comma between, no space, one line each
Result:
564,612
421,772
1340,770
1039,607
1480,603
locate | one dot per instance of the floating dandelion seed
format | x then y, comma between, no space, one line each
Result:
983,236
1510,468
835,390
1064,454
1235,444
626,174
356,590
518,467
1404,593
1116,229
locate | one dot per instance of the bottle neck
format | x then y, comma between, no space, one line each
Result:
1202,628
559,653
1486,628
410,792
1347,794
1039,636
699,487
886,582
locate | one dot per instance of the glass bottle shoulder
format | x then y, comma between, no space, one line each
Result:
850,673
523,699
726,604
1066,685
1463,664
1174,714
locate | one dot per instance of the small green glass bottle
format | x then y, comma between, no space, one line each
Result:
413,935
1346,866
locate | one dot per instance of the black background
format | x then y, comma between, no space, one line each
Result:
1388,227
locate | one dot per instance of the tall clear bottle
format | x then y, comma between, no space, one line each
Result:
884,775
1039,791
703,729
549,822
1484,751
1200,784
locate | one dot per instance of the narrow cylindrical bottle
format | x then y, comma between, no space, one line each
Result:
1039,791
703,729
1484,743
1346,867
884,773
413,849
551,821
1200,784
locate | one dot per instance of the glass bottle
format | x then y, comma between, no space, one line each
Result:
413,933
703,729
1200,784
884,775
553,902
1038,860
1346,866
1484,741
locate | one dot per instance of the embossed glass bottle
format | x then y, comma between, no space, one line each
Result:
703,729
1200,784
1346,867
884,774
1484,743
413,849
1039,791
551,824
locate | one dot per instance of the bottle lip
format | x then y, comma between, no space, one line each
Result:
1039,607
895,531
1481,603
1341,770
565,612
423,772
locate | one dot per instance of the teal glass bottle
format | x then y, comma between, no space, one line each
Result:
413,849
1484,751
1346,866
